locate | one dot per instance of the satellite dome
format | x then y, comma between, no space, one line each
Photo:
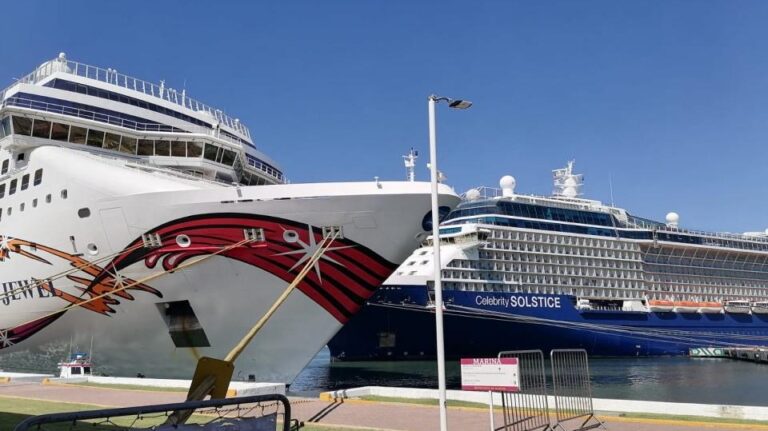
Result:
570,182
673,219
507,184
472,194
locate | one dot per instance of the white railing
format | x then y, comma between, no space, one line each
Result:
111,76
23,102
37,105
491,193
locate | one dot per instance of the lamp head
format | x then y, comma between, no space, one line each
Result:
459,104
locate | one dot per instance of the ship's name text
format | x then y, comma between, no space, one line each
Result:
24,289
518,301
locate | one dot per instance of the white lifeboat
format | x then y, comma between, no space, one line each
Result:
738,307
760,307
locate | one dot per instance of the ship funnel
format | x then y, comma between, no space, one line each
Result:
507,184
673,220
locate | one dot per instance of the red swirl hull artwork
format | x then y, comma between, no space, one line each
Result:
344,277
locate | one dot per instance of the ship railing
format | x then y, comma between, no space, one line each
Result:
112,76
723,235
571,203
490,193
21,102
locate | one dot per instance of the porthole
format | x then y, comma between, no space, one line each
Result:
64,194
183,241
84,212
93,250
21,206
34,203
47,199
290,236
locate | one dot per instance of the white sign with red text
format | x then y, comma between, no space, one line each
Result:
490,374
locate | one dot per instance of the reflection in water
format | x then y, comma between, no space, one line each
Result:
672,379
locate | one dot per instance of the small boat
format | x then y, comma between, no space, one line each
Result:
661,305
710,307
738,307
760,307
686,306
79,365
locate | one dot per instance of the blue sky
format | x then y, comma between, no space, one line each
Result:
667,98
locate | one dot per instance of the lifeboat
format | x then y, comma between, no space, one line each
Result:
660,305
686,306
760,307
738,307
710,307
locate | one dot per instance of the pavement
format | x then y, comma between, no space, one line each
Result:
356,414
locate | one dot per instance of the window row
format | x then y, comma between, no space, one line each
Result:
115,142
22,206
15,184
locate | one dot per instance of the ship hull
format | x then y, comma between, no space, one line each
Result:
202,286
397,325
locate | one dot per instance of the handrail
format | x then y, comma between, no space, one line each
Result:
23,102
20,102
488,193
111,76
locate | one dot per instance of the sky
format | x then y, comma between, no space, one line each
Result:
663,102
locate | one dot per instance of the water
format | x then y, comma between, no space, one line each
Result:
671,379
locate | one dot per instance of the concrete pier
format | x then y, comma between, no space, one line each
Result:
752,354
352,412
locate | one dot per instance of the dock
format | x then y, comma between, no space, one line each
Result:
751,354
369,413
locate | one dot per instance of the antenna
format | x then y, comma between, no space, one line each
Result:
410,164
567,184
610,184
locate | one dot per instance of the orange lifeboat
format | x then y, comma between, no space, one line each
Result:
686,306
661,305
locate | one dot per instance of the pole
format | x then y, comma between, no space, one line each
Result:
437,268
490,408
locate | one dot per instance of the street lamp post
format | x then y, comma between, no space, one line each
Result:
457,104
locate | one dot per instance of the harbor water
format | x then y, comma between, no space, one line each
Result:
670,379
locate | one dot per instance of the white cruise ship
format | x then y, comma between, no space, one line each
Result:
109,184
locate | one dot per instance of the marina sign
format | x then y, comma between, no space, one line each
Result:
490,374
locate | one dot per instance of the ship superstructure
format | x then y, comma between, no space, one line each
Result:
613,283
110,186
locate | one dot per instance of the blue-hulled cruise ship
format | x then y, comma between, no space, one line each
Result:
535,272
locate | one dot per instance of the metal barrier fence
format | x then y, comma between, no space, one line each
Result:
572,389
528,409
255,413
